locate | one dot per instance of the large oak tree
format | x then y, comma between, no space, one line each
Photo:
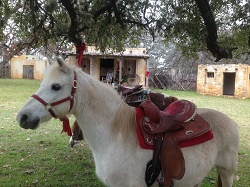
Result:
221,27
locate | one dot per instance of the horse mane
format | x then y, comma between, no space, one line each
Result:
125,117
125,122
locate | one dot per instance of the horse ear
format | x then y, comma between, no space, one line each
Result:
62,64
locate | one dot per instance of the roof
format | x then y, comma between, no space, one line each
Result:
128,53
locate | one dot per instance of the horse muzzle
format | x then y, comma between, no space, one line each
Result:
26,122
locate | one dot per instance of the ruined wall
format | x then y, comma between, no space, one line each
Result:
18,63
210,79
141,70
96,68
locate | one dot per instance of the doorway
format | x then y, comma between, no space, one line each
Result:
130,67
228,83
28,71
106,70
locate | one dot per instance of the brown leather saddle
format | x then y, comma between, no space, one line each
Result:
164,129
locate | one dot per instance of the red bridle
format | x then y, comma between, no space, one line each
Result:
48,106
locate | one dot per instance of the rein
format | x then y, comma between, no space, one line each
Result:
49,106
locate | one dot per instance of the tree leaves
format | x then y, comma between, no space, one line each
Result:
114,24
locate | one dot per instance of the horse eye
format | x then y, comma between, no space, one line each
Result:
56,87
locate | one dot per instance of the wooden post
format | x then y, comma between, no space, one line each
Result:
91,59
120,69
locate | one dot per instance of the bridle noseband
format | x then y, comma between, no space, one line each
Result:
48,106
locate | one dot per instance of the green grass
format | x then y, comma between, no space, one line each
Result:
43,157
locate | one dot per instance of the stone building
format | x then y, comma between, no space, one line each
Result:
133,61
226,79
27,67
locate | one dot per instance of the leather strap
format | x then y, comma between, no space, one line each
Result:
48,106
153,167
173,166
158,142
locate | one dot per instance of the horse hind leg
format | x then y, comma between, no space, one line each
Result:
226,168
226,163
225,177
219,183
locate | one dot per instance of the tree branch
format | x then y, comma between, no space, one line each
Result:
211,27
73,33
102,10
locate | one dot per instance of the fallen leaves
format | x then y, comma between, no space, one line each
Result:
7,166
35,181
236,177
29,171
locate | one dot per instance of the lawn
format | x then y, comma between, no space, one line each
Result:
43,157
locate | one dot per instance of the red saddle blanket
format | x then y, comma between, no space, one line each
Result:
191,142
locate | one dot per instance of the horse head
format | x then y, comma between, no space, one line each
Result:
54,98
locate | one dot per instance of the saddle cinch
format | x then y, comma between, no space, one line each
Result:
164,130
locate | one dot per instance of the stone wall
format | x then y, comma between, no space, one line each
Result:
17,64
140,65
223,79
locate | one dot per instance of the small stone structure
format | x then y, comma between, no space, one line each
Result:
27,67
225,79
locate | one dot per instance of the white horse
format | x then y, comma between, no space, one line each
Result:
109,129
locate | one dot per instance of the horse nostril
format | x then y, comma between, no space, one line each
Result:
24,118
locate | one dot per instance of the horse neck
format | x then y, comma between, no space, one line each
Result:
96,105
